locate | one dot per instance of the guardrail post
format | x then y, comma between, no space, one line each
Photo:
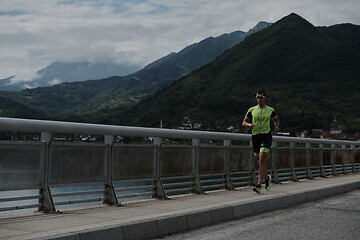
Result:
195,166
321,156
308,159
333,155
353,149
228,183
343,156
159,189
292,163
110,195
274,159
47,203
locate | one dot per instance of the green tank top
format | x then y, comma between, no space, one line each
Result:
261,118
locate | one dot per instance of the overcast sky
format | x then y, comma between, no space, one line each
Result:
35,33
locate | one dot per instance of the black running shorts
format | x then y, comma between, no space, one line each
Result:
261,143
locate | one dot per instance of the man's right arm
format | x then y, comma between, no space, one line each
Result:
247,121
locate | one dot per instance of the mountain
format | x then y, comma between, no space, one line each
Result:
14,109
58,72
75,72
7,85
68,100
310,74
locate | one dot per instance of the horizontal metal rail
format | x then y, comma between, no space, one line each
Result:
176,184
177,190
89,192
20,207
127,189
135,195
30,125
22,198
100,199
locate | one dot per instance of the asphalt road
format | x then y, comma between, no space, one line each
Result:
335,218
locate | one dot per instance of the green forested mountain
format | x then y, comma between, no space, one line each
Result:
14,109
310,73
73,100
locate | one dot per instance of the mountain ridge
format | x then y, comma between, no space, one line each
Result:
77,98
300,65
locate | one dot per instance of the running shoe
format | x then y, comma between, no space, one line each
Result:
267,183
257,189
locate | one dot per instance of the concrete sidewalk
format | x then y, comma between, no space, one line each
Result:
156,218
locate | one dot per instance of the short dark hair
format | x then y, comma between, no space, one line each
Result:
262,92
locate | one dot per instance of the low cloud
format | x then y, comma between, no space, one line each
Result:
36,33
55,81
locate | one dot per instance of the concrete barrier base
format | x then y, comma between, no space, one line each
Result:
157,218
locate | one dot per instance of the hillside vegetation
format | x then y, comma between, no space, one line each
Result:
310,73
14,109
75,99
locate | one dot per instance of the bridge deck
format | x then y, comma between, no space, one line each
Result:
156,218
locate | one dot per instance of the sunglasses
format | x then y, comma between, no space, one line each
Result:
260,97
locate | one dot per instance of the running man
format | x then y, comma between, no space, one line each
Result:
258,118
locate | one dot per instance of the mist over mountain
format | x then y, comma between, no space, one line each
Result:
59,72
7,85
74,99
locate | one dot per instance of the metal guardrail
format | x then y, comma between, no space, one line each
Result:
52,174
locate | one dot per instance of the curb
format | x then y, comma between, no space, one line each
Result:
163,226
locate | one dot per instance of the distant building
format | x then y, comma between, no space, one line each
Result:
187,124
336,131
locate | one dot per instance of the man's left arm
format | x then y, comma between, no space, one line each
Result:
276,121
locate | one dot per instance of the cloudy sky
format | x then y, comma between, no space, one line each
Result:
35,33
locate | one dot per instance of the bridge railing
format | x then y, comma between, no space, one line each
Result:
49,175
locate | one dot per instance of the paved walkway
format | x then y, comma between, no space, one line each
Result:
156,218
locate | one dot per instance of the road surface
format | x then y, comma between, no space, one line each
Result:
334,218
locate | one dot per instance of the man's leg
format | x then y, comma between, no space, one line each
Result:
257,187
262,167
262,159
